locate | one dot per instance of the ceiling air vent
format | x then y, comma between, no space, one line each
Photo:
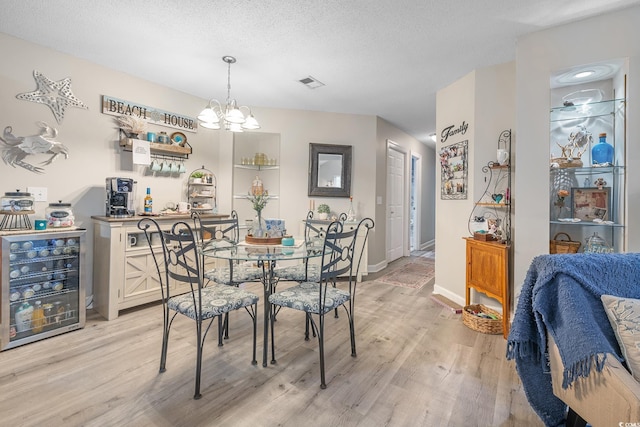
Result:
311,82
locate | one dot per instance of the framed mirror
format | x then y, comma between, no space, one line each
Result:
329,170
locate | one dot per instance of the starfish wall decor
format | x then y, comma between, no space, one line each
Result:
56,95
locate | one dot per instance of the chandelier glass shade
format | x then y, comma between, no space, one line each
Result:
214,116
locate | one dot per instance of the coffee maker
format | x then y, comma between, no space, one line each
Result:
121,197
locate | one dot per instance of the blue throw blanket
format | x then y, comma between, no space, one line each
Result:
561,296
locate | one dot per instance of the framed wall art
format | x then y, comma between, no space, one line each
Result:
588,204
453,167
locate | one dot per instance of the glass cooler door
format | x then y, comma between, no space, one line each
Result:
43,286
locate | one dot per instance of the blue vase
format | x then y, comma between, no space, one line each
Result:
602,152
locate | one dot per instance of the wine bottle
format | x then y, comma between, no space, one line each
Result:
148,202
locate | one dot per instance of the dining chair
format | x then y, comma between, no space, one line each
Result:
306,271
342,253
225,231
177,261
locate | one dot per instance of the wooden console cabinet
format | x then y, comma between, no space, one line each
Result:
124,274
488,272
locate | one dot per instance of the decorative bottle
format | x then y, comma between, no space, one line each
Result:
257,188
602,152
37,318
148,202
23,317
351,213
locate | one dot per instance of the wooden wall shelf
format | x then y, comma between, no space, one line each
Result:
162,149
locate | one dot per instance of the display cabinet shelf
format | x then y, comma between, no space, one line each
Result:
257,167
246,196
260,148
593,194
589,110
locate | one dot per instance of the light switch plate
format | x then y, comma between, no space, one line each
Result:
39,193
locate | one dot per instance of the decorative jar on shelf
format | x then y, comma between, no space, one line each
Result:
602,152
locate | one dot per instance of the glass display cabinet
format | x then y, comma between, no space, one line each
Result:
43,284
587,173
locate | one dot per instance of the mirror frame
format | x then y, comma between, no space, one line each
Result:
345,178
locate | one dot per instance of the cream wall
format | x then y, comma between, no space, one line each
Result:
387,132
485,98
602,38
94,153
455,104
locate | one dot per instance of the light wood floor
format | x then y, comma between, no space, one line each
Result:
417,365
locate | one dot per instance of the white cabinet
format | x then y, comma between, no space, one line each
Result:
256,154
124,273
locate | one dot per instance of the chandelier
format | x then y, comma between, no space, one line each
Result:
233,119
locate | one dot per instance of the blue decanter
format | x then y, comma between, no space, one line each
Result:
602,152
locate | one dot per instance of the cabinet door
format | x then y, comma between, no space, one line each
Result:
141,279
42,286
487,268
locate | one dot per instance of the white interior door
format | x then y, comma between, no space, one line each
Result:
396,235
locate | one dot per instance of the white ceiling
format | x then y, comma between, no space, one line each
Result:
380,57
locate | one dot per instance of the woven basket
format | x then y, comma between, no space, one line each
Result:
563,246
482,324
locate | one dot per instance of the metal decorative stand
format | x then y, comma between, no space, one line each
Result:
16,221
202,189
493,207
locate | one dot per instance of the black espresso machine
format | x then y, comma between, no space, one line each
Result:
121,197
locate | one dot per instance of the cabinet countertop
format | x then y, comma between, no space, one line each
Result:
156,217
34,231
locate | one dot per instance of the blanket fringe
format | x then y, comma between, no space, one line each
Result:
523,350
582,368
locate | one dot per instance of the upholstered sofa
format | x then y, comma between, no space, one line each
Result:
605,398
575,332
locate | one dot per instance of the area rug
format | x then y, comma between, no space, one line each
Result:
412,275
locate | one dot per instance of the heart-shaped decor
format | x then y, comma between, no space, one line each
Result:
497,197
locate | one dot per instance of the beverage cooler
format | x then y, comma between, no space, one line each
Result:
43,284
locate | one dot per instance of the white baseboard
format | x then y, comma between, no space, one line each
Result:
426,246
448,294
488,302
377,267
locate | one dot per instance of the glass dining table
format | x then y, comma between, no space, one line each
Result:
265,257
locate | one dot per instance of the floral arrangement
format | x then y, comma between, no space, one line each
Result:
259,201
561,194
131,125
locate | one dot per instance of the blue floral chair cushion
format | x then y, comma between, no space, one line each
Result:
298,273
305,297
245,272
216,300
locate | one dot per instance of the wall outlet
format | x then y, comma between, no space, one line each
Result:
39,193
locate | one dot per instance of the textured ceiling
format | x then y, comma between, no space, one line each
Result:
380,57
